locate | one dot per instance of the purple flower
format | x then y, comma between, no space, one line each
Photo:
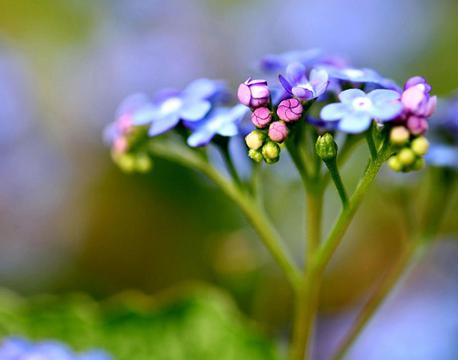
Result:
254,93
363,75
297,84
357,109
222,121
308,58
16,348
290,110
191,105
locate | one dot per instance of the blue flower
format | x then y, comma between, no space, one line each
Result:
18,349
224,121
308,58
191,105
357,109
363,75
298,85
442,155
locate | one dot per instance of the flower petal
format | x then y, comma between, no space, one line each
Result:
319,79
203,88
146,115
386,111
302,93
381,96
349,95
285,83
164,124
200,137
354,123
195,110
295,72
333,112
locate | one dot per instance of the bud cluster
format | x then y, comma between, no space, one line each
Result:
271,120
409,150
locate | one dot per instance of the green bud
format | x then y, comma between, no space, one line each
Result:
420,146
418,164
271,152
326,147
406,157
143,163
399,135
255,155
394,164
126,162
255,139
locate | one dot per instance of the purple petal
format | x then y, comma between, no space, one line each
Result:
164,124
349,95
354,123
132,103
333,112
295,72
319,79
146,115
203,88
201,137
302,93
285,83
195,110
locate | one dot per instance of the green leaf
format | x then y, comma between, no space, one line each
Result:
193,323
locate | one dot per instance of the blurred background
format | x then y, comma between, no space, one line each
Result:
71,221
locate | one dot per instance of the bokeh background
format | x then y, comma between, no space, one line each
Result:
71,221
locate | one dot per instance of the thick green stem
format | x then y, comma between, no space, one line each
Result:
256,215
307,298
371,143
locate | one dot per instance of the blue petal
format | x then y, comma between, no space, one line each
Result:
386,111
349,95
355,122
146,115
164,124
443,155
295,72
203,88
381,95
200,137
285,83
319,79
228,129
195,110
132,103
333,112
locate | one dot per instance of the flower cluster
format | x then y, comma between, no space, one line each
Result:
21,349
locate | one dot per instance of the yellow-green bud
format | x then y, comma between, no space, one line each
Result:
255,155
406,156
126,162
326,147
394,164
399,135
255,139
420,145
418,164
271,152
143,163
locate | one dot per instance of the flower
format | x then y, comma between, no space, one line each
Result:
254,93
18,348
191,105
278,131
308,58
290,110
363,75
357,109
224,121
261,117
297,84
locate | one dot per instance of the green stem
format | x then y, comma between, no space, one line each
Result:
336,178
256,215
371,143
343,221
230,166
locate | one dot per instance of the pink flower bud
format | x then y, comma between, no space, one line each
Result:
278,131
290,110
254,93
417,125
261,117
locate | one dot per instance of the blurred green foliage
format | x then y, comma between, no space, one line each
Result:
191,323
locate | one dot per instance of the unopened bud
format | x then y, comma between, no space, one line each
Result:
406,157
399,135
255,155
326,147
255,139
126,162
271,152
261,117
143,163
394,164
278,131
420,146
418,164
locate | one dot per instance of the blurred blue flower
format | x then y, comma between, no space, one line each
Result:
308,58
21,349
297,84
191,105
444,135
357,109
224,121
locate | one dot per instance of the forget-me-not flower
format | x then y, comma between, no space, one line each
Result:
297,84
190,105
357,109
